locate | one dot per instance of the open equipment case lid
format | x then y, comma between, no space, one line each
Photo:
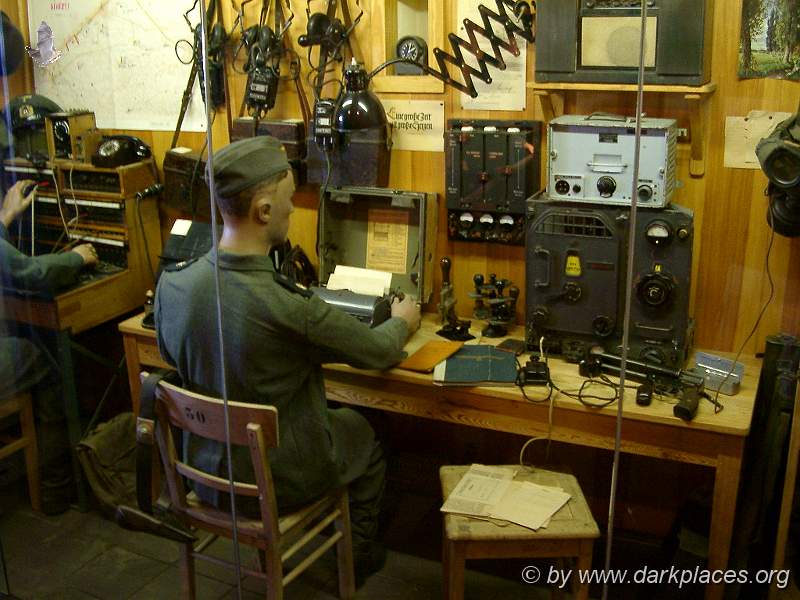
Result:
380,228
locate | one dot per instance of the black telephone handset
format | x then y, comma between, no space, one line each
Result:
118,150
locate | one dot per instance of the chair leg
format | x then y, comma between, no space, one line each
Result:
453,557
344,551
273,568
187,572
31,451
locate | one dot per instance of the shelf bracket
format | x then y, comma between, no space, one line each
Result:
697,121
552,103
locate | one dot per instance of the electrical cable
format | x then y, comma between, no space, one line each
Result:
717,405
322,193
218,294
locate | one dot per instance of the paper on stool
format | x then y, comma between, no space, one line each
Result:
529,504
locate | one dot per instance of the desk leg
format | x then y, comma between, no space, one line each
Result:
723,512
72,412
134,368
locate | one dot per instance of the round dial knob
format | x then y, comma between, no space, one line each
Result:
606,186
655,289
540,315
572,292
602,326
653,356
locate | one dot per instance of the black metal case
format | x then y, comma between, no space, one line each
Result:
574,274
492,168
575,280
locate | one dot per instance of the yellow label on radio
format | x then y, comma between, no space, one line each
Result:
573,268
657,268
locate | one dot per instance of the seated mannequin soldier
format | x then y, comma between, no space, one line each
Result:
276,337
23,365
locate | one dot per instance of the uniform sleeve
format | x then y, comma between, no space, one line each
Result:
46,273
335,336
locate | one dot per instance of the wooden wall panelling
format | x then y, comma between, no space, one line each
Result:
731,236
734,237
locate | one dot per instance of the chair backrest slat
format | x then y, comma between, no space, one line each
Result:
205,416
218,483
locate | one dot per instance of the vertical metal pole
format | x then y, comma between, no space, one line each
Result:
612,500
217,290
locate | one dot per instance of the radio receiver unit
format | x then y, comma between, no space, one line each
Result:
575,281
591,159
597,41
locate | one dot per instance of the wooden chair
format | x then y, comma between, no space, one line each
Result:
21,405
571,533
278,537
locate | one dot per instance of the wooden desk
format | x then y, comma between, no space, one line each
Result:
715,441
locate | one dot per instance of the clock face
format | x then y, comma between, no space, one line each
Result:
413,48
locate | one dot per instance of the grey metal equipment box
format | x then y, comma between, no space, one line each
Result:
575,280
380,228
597,41
591,159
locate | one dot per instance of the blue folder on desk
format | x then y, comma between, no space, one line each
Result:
477,365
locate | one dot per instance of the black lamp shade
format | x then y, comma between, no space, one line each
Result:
358,107
13,46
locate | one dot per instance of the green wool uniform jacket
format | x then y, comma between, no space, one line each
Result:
43,274
21,364
276,338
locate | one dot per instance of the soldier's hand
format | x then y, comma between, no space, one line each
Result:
14,204
408,310
87,253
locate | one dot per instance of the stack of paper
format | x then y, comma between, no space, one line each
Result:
360,281
491,492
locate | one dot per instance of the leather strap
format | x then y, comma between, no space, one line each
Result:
145,437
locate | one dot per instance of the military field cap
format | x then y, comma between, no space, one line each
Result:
248,162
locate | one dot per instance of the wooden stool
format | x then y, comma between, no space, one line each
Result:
571,532
21,405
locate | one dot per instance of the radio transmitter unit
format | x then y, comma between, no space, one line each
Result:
591,159
576,264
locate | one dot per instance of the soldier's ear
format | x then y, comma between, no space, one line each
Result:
263,210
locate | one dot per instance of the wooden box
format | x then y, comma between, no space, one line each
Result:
63,130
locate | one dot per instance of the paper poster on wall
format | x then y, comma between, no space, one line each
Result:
387,240
507,90
742,135
417,124
118,60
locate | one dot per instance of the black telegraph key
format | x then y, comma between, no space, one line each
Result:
477,279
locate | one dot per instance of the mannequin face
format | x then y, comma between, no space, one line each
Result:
274,207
